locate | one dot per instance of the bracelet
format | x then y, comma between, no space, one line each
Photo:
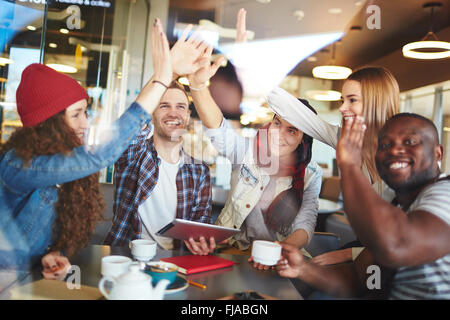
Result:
198,89
161,83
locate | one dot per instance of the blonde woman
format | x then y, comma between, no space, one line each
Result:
370,92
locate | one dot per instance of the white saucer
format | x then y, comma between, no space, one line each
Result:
178,285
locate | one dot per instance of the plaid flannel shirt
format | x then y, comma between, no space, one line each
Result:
136,174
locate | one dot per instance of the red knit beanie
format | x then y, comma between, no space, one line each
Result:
44,92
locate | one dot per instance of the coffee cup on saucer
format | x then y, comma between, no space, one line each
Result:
143,250
114,266
266,252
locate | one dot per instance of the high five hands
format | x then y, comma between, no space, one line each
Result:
191,56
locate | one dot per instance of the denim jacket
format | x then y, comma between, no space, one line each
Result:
28,193
249,180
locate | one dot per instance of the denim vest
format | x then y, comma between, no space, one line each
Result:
28,193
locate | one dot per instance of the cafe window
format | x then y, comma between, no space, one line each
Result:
99,43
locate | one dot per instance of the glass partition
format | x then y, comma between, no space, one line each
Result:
101,44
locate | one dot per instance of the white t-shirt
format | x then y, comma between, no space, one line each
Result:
160,207
431,280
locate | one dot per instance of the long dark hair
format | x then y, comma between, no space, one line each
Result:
80,204
284,208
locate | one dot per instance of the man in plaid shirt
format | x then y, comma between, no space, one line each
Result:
156,181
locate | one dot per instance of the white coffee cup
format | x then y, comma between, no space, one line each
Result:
143,250
114,266
266,252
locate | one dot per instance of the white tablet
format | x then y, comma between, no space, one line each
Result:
184,229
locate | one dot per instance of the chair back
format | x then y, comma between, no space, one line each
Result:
331,188
322,242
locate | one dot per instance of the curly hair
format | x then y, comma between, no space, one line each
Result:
80,204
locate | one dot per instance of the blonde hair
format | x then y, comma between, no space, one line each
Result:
380,97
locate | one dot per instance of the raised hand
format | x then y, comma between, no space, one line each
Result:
186,53
348,150
152,92
241,29
162,64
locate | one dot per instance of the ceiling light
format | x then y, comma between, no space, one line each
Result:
263,1
4,61
244,120
64,30
62,68
323,95
356,28
335,11
183,81
312,59
331,72
52,45
299,14
440,50
428,49
31,28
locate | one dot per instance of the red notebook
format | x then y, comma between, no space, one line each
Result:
190,264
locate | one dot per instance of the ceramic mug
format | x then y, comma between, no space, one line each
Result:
114,266
266,252
143,250
159,270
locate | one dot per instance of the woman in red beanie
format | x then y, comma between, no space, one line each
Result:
49,192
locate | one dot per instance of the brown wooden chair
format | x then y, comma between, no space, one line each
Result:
331,188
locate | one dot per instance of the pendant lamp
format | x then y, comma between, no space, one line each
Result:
429,48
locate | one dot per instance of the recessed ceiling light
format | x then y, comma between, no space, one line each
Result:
299,14
263,1
52,45
359,3
31,28
312,59
356,28
63,30
335,11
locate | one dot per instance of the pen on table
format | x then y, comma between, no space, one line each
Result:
196,284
